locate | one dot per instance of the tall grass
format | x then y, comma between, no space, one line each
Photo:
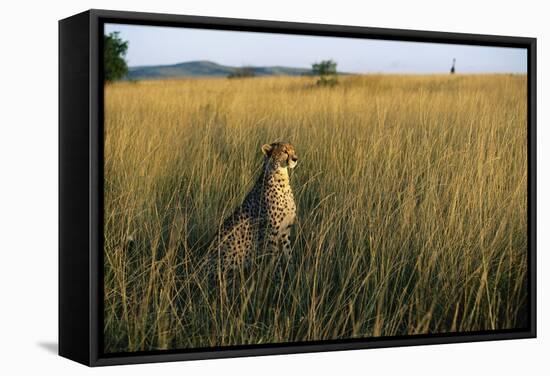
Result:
411,201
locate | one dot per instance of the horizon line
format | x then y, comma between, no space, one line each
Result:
310,68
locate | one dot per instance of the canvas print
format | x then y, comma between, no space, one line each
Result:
264,188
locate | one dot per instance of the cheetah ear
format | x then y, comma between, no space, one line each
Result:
266,149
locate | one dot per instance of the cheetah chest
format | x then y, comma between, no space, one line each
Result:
281,207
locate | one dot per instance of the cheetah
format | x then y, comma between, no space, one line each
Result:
263,221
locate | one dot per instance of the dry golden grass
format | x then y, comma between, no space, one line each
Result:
411,196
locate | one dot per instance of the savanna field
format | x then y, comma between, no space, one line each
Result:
411,196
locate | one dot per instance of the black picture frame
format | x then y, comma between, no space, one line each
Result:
81,179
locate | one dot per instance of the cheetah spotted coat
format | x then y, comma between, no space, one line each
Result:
262,224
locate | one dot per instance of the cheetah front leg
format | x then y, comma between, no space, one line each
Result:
273,242
285,242
286,267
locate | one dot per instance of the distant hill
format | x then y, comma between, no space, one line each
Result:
205,69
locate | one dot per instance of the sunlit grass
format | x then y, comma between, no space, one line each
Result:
411,197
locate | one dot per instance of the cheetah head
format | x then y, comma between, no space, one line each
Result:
280,154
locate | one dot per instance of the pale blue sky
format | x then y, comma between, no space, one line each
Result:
154,45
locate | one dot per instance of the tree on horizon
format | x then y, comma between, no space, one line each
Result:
114,53
242,72
326,70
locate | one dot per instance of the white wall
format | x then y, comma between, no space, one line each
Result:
28,187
